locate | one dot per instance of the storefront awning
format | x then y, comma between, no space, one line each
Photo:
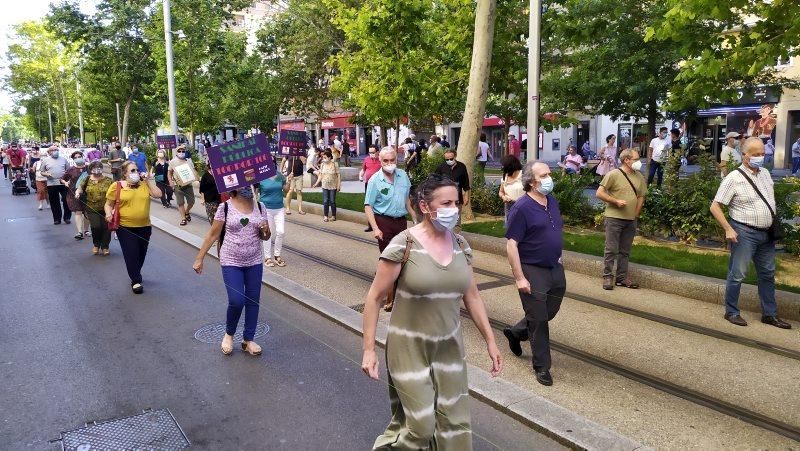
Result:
336,122
729,109
299,125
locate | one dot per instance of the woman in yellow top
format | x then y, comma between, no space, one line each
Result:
135,191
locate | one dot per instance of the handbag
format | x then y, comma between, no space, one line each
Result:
113,225
775,231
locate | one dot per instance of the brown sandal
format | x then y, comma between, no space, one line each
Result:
251,347
227,344
627,284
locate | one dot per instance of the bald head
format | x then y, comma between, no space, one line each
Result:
753,146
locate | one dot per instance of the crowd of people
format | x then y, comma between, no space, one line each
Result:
424,272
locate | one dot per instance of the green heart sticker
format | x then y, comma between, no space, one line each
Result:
385,191
244,222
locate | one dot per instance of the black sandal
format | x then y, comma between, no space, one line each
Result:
188,218
183,222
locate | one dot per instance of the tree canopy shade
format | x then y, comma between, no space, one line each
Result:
596,60
725,45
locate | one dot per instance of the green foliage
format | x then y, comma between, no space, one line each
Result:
680,207
596,60
724,48
787,201
425,168
485,198
573,204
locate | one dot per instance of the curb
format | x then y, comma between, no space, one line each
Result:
536,412
692,286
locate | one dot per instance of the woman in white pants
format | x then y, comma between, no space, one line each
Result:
271,195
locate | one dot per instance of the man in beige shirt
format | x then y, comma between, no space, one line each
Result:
623,190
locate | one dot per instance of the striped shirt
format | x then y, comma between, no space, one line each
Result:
744,204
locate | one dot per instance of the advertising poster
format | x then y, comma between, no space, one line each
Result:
241,163
166,142
292,143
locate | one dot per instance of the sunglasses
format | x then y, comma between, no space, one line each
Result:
449,159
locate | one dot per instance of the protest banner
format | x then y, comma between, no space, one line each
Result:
166,142
241,163
292,143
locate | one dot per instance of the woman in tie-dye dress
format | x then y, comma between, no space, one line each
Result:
424,348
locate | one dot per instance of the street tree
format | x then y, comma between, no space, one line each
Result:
727,45
478,89
596,60
116,56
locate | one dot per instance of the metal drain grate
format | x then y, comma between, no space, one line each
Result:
213,333
358,307
150,430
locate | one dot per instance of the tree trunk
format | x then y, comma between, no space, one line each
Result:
478,88
125,117
397,135
652,117
506,131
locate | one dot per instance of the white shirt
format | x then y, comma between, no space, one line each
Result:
483,151
729,153
744,204
659,145
337,144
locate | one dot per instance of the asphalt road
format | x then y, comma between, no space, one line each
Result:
78,346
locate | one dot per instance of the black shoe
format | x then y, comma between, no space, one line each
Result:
775,321
67,221
735,319
368,229
56,222
513,342
543,377
137,288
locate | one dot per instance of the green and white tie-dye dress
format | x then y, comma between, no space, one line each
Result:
425,351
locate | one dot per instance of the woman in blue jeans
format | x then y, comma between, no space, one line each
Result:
242,263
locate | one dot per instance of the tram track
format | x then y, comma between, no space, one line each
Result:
508,280
726,408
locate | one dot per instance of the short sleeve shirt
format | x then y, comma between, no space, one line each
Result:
744,204
241,246
140,159
537,231
134,204
659,146
618,187
386,198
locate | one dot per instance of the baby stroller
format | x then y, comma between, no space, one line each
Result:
19,185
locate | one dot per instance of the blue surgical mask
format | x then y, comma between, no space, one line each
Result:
79,161
446,218
181,155
757,162
546,185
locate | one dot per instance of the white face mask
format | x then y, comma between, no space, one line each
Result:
446,218
134,178
637,165
389,168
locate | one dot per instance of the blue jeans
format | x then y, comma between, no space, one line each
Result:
244,292
655,167
795,165
752,245
329,201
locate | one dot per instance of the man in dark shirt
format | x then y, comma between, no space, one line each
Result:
534,245
457,172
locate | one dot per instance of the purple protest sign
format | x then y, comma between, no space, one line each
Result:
166,142
292,143
241,163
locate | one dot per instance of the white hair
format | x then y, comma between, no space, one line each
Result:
387,150
751,143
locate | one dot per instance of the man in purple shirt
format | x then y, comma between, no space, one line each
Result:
534,244
94,155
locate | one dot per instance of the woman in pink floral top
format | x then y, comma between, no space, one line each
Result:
241,259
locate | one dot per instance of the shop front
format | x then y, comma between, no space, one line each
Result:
340,126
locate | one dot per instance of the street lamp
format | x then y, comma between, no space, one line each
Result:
173,111
534,44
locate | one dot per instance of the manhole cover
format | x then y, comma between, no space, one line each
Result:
213,333
358,307
150,430
25,218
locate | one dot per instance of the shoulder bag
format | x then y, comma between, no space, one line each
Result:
775,230
113,225
390,299
629,181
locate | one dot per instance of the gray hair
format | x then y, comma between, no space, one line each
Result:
387,150
751,143
528,176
